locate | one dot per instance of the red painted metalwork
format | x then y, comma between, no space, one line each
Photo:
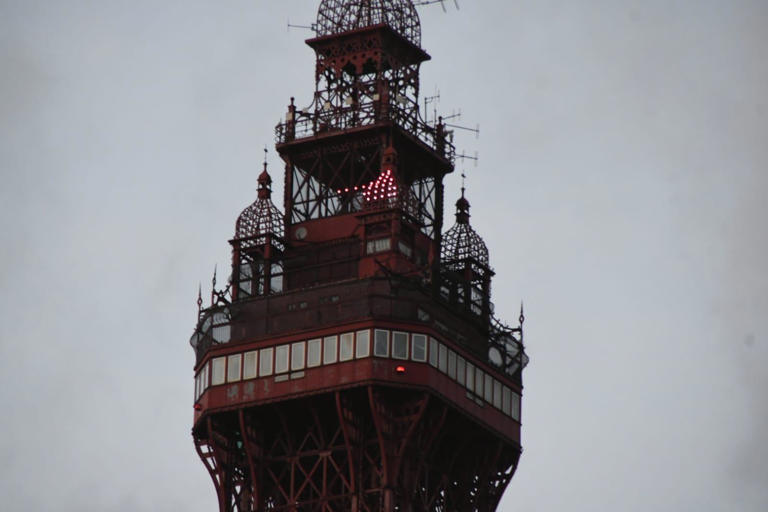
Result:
353,362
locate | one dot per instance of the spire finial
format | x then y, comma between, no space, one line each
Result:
199,298
462,205
522,315
213,283
265,180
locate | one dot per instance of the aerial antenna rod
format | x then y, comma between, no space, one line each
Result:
431,99
306,27
465,156
419,3
475,130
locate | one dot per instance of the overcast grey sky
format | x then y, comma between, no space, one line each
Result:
621,190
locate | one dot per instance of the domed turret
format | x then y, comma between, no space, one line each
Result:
339,16
461,242
464,261
260,218
257,267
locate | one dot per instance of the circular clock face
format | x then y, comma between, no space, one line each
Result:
494,355
300,233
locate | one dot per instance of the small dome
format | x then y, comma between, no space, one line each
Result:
260,218
339,16
461,242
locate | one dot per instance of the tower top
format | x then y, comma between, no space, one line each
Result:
340,16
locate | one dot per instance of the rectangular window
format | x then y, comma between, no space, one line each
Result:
461,370
297,356
329,349
250,368
363,344
314,353
380,245
218,365
197,387
452,364
281,359
400,345
496,394
206,372
479,375
265,361
233,368
506,406
381,343
515,406
419,347
347,346
442,358
471,377
405,249
433,352
488,388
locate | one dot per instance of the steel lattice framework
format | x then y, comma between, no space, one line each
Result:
353,362
339,16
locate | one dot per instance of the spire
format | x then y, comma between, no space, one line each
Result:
213,283
522,315
265,180
462,205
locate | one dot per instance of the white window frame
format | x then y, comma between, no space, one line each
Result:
471,369
234,367
433,351
266,361
282,359
419,339
218,365
461,370
312,345
375,342
497,394
506,401
405,353
442,358
362,344
452,364
479,380
251,365
330,356
488,389
298,355
347,346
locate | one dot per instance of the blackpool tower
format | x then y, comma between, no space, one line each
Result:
353,362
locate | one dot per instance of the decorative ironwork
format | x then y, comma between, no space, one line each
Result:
260,219
461,244
339,16
364,450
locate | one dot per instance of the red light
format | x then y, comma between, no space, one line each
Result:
400,369
198,407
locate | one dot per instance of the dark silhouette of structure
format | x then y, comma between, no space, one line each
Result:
353,362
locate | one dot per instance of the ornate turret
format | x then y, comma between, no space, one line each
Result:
258,245
464,260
